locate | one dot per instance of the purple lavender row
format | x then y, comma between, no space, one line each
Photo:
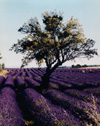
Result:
94,91
79,74
23,74
13,73
77,107
60,80
53,86
81,82
45,113
15,83
36,81
29,74
38,72
32,82
17,74
75,76
10,81
62,85
65,82
20,82
33,74
82,95
10,114
2,79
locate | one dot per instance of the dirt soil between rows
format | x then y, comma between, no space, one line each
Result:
3,73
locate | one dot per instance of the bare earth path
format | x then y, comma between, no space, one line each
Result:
96,67
3,73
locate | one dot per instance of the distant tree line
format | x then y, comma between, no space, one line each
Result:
2,66
79,66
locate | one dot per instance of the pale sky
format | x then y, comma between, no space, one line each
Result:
13,14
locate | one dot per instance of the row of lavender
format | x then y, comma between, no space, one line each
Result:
42,110
10,113
65,106
62,78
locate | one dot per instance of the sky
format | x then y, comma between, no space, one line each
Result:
13,14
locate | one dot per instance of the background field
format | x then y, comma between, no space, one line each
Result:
73,97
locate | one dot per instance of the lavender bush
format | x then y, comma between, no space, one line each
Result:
10,114
2,79
71,103
45,113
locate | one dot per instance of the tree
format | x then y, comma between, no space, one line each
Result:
57,43
0,56
3,65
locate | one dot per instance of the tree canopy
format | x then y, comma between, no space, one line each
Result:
58,42
54,43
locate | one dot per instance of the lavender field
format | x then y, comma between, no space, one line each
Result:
73,98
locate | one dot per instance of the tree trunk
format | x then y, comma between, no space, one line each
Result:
45,81
46,78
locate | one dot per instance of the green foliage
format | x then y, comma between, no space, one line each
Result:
79,66
57,43
0,66
0,56
3,65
